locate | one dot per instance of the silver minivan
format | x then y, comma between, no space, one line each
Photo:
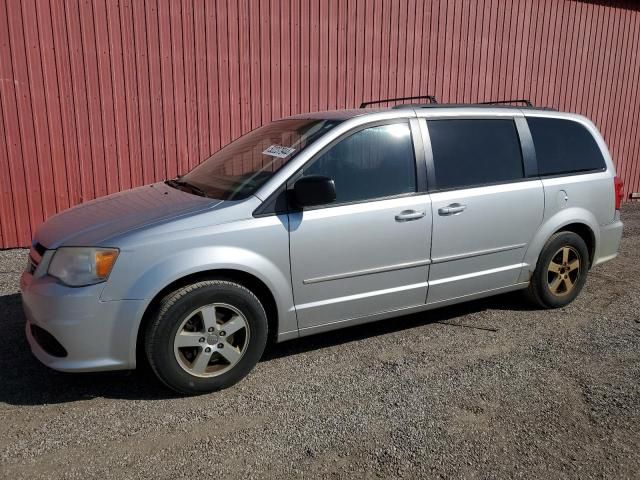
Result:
317,222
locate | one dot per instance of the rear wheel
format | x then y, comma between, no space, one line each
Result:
561,271
206,336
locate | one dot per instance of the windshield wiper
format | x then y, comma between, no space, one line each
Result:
181,184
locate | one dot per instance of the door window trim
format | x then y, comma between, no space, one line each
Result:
524,127
296,175
527,152
281,195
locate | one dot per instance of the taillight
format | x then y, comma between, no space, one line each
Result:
618,188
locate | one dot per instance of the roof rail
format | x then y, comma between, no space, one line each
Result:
500,102
431,98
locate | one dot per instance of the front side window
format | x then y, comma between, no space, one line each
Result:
564,146
240,168
474,152
376,162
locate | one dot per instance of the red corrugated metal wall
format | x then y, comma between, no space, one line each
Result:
99,96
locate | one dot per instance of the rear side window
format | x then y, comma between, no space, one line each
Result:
468,153
373,163
564,146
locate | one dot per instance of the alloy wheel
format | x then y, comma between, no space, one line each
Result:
211,340
563,271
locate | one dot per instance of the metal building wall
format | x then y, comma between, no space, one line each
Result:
99,96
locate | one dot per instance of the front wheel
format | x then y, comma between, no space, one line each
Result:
561,271
206,336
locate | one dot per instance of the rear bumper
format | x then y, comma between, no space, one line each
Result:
610,236
95,335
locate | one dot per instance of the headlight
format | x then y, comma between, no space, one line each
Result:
80,266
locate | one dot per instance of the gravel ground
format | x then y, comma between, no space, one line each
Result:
486,389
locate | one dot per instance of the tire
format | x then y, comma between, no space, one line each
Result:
557,280
187,343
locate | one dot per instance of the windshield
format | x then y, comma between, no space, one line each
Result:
240,168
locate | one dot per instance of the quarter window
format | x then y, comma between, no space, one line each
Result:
473,152
564,146
373,163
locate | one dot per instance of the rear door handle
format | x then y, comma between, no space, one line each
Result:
407,215
452,209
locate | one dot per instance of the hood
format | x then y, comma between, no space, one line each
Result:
95,222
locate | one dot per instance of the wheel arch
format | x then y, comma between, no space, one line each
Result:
253,283
576,220
586,233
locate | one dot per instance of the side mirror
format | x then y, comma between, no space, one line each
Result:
314,190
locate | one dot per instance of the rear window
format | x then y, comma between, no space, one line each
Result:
564,146
474,152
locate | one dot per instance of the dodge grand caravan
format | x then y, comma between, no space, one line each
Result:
317,222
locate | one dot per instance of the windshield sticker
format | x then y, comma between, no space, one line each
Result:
279,151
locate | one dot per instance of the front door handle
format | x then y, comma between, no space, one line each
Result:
407,215
452,209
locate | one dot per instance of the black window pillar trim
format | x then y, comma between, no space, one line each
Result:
276,204
420,155
428,155
528,149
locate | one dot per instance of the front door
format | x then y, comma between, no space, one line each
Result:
368,252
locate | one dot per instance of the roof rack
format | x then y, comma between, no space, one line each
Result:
431,98
507,102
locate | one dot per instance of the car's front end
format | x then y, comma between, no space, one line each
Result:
95,269
69,327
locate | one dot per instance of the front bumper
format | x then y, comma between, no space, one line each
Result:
96,335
